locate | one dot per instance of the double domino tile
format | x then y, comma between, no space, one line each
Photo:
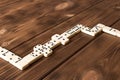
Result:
46,49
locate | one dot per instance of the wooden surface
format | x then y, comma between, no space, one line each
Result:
25,23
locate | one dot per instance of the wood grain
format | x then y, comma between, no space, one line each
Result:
25,23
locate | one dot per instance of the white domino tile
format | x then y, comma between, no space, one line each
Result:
22,64
12,58
118,33
71,32
51,44
100,25
3,53
62,39
82,28
77,28
68,35
47,53
110,30
43,50
55,37
37,47
28,59
86,30
96,29
8,55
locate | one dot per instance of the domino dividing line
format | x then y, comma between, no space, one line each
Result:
46,49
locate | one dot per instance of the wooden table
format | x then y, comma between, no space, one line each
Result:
25,23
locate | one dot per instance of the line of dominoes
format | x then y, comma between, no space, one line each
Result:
46,49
